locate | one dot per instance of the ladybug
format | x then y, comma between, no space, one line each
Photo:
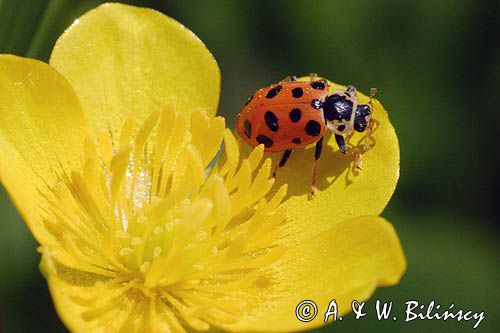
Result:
293,114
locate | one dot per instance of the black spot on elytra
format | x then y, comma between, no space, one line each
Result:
318,85
297,92
249,100
295,115
341,128
316,103
313,128
273,91
262,139
297,141
271,121
247,128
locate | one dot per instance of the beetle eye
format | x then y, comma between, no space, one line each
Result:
362,117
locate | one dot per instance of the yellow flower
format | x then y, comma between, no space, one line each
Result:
106,154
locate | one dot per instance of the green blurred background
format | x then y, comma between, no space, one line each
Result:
436,65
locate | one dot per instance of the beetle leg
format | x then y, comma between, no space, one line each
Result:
370,139
358,161
282,162
317,154
290,78
341,143
351,89
313,76
355,151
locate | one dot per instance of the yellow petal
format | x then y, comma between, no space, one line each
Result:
91,303
109,311
128,62
42,129
346,262
343,192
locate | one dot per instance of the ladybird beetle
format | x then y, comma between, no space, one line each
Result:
293,114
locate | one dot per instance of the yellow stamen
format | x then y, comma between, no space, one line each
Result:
167,235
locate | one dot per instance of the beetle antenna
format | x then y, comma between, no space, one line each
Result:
373,92
369,135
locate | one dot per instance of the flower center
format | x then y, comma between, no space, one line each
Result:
145,216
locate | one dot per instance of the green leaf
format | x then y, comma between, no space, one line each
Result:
58,15
30,28
18,22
